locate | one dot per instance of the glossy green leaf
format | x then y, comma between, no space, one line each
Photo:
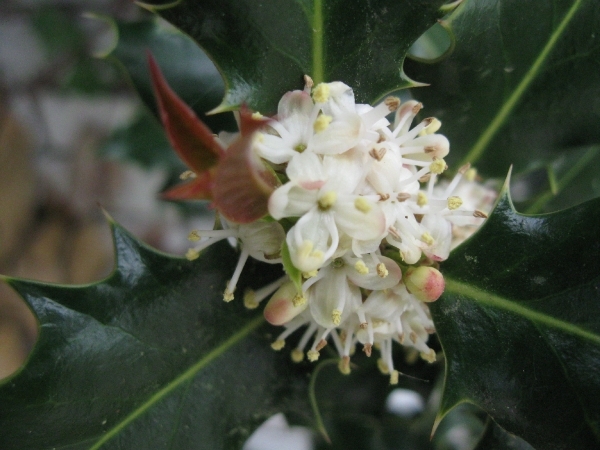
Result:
496,438
186,67
150,358
264,48
522,83
519,323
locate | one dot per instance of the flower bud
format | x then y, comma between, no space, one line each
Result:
284,305
425,283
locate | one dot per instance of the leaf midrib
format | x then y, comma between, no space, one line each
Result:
487,298
504,112
186,376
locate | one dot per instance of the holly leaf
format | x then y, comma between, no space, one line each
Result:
521,85
264,48
150,357
519,324
186,67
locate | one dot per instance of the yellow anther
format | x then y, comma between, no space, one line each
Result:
278,344
382,366
361,267
470,174
382,271
227,295
192,254
250,299
362,204
322,123
299,300
259,137
454,202
344,365
429,356
336,317
321,93
187,175
394,377
297,355
257,116
312,355
433,126
438,166
312,273
422,199
327,200
427,238
194,236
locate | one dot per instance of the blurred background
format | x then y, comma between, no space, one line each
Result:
67,118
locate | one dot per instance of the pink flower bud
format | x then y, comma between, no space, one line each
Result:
425,283
284,305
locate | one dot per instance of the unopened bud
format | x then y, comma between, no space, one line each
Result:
283,305
425,283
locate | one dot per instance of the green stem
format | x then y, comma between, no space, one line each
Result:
313,398
317,42
581,164
187,376
500,118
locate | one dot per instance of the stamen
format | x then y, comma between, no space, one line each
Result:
299,300
321,93
327,200
322,343
188,174
336,317
194,236
308,84
367,348
278,344
454,202
344,365
438,166
427,238
429,356
297,355
361,267
393,103
421,198
322,123
313,355
257,116
192,254
382,271
394,377
403,196
382,366
362,204
228,295
378,153
480,214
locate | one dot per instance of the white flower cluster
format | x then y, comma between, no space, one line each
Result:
366,224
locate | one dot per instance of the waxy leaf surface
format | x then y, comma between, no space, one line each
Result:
151,357
519,323
264,48
522,84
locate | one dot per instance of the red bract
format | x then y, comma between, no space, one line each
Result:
235,179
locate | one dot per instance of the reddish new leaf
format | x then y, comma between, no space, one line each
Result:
243,183
199,188
191,139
